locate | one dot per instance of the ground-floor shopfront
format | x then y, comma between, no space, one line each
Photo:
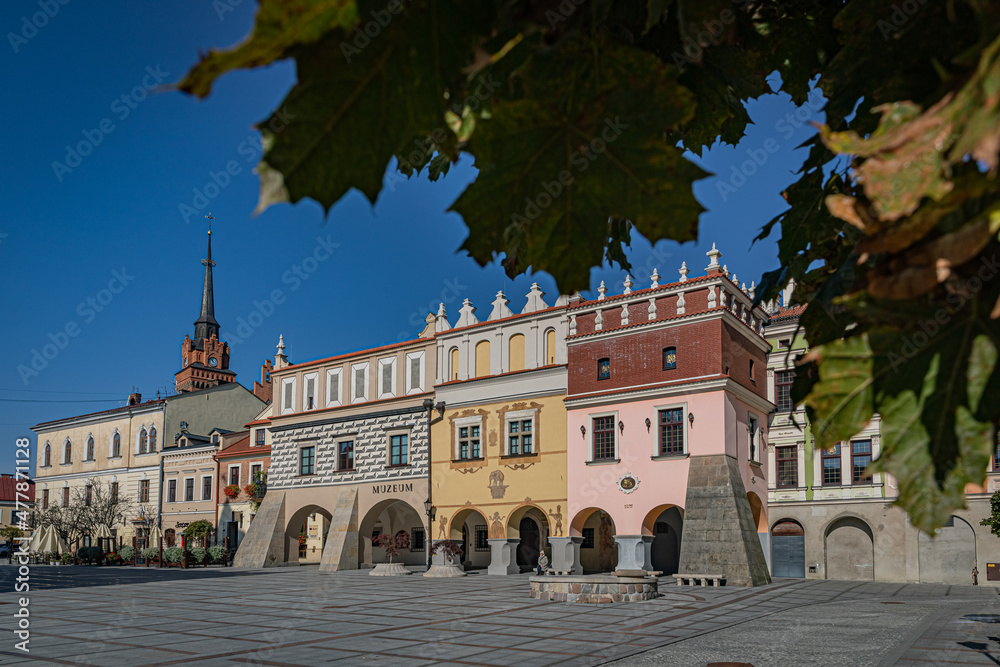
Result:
335,525
874,541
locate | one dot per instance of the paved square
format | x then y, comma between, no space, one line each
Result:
297,616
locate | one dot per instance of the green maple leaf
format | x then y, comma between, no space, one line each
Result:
583,146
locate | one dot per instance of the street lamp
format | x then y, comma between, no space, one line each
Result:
430,407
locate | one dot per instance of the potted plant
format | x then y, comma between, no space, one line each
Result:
199,555
66,559
232,491
127,553
217,554
451,552
393,545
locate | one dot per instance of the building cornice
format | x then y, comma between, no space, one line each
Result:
715,383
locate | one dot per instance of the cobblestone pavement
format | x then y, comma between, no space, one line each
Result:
297,616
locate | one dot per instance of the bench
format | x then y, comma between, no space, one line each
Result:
700,579
558,573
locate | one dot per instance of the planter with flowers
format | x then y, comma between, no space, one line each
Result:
451,553
393,545
232,491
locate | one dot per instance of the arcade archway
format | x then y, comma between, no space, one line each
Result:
666,524
599,551
391,516
305,534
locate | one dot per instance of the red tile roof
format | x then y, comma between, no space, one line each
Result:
243,448
8,490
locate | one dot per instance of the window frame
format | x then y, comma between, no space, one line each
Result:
259,437
172,490
143,490
666,365
192,489
152,440
355,398
459,424
753,446
47,456
780,384
45,499
229,474
312,460
869,478
88,495
521,417
207,487
65,498
341,466
390,363
287,391
254,469
613,416
67,457
306,378
420,358
404,448
477,543
116,445
660,425
600,371
334,377
89,449
836,455
793,459
142,447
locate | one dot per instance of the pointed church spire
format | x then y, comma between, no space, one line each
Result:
206,325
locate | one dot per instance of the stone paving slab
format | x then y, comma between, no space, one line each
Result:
298,616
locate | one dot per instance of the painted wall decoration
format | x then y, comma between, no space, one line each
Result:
557,517
497,488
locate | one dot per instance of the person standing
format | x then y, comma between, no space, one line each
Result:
975,575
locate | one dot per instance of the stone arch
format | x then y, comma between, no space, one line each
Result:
665,523
464,527
302,520
849,546
949,556
758,510
599,552
388,516
528,523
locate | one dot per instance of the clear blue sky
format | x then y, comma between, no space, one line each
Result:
65,232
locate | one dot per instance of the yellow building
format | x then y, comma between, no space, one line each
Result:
498,456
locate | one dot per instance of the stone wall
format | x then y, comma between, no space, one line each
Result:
593,589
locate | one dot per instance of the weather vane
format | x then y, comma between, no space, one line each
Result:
210,219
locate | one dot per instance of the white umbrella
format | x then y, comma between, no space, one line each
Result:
154,537
104,533
47,540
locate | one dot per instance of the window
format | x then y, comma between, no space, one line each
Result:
346,455
143,441
287,396
516,345
45,499
416,539
783,390
116,446
669,358
172,491
309,391
144,490
784,343
206,488
588,538
88,495
672,431
482,358
604,438
831,466
603,369
169,537
861,457
788,466
359,382
307,460
753,380
215,438
90,449
520,437
68,452
415,362
65,498
189,489
752,443
333,388
454,364
259,437
482,538
114,492
47,459
399,450
387,378
550,346
469,442
152,439
255,470
234,474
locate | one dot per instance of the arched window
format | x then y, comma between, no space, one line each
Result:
116,445
143,441
669,358
550,346
482,358
516,345
68,452
152,439
47,459
454,364
90,448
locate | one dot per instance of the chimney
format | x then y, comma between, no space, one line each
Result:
135,398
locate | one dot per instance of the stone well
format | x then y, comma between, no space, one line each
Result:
594,589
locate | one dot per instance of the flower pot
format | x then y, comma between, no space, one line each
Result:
445,571
389,570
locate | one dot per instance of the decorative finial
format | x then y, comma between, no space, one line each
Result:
683,271
628,284
281,343
655,278
725,270
714,254
735,280
743,288
210,219
601,291
752,290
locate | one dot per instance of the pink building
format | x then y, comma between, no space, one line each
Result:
667,421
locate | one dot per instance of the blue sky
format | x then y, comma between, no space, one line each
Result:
99,262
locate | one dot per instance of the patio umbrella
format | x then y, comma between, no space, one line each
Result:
103,535
48,540
154,537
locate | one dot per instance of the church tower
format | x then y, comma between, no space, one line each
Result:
204,359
